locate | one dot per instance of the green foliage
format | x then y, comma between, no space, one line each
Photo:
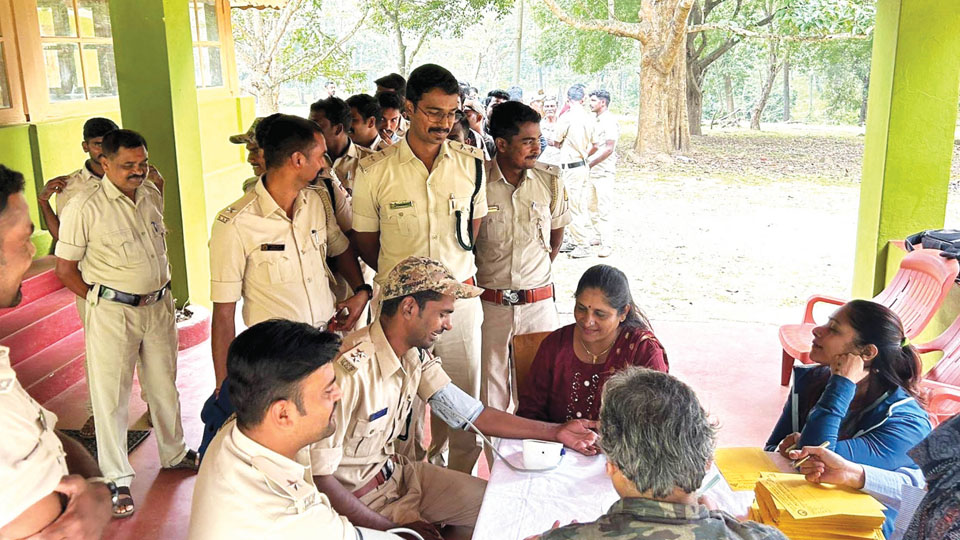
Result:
585,52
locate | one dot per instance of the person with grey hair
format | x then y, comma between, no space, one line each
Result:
659,444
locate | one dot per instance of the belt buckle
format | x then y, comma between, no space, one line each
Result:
510,297
107,293
388,469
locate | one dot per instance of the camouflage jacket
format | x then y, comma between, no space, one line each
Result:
646,519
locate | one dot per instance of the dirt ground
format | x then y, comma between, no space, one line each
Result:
745,227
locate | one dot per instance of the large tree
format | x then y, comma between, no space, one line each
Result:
412,22
661,28
293,43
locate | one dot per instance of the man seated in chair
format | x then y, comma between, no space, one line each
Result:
381,368
659,443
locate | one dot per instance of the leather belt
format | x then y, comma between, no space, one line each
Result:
573,165
470,281
135,300
380,479
509,297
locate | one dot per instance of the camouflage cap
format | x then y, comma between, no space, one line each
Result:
249,136
418,274
475,106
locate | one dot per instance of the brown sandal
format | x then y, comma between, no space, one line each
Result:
89,429
124,507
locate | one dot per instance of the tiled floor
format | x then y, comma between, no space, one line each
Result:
734,367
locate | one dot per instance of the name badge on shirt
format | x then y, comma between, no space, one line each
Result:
379,414
272,247
493,208
401,204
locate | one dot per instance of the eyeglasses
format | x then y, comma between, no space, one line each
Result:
437,116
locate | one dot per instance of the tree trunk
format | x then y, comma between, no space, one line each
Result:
773,66
694,103
863,99
786,89
662,127
813,86
516,66
728,93
401,48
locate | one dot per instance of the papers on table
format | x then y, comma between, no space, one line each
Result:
741,467
803,510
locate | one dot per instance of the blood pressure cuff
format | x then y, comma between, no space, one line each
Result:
454,406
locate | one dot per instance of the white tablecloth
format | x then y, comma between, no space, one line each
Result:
517,505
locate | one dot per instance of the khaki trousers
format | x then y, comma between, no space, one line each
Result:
498,383
575,181
420,491
459,350
597,198
117,337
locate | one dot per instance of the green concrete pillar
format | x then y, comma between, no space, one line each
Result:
153,47
911,117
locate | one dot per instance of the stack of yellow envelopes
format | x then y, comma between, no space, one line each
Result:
806,511
742,467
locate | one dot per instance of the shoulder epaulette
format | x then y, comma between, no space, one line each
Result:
87,191
378,156
547,168
471,151
229,213
364,151
350,361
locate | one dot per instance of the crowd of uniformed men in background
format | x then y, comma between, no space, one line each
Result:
420,222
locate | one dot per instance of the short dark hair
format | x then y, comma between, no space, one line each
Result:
428,77
389,100
601,94
389,307
284,135
11,182
395,82
575,92
268,361
121,138
334,109
98,127
499,94
506,118
366,105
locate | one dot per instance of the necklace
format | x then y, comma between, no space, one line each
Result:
595,357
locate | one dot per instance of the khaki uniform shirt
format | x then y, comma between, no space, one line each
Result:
342,207
119,243
277,265
247,491
31,456
575,130
415,210
345,166
377,145
76,182
607,129
513,248
378,390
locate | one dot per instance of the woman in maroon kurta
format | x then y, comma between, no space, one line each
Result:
575,361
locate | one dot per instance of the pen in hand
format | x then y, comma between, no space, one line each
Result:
799,462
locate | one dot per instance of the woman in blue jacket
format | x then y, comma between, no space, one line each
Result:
862,398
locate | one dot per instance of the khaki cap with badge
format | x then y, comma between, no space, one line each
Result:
418,274
250,137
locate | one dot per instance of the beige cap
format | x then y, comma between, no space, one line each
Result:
474,105
418,274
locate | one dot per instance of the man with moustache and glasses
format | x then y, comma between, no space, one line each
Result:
425,196
519,239
113,253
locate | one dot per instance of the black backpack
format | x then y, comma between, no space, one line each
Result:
946,240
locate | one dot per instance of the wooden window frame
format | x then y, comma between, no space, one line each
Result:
15,114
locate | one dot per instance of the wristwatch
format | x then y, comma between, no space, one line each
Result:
364,287
111,485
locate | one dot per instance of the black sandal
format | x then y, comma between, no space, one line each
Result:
124,507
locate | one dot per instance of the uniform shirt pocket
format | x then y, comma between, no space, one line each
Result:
539,224
122,248
367,436
272,267
402,218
